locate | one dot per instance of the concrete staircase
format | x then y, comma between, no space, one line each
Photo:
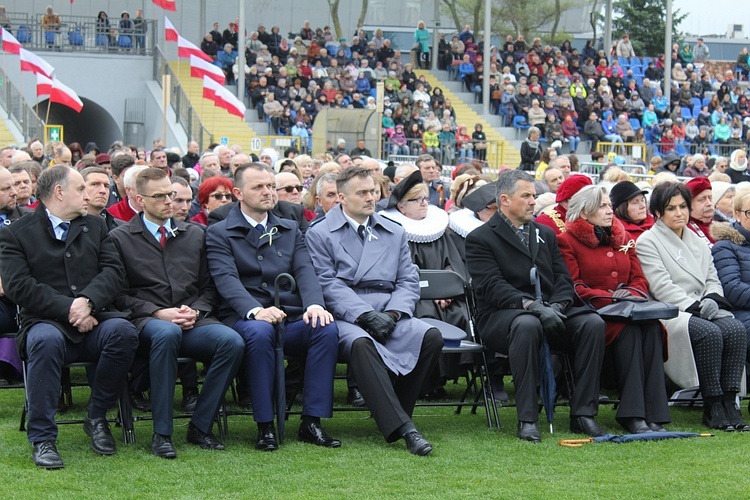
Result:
469,114
6,136
217,120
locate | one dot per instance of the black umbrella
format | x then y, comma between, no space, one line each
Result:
279,382
627,438
547,384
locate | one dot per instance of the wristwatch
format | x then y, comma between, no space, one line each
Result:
90,304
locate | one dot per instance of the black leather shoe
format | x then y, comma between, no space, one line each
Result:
205,441
585,425
266,438
45,455
162,447
354,397
734,416
656,427
529,431
715,417
416,444
314,433
635,425
189,400
140,402
102,441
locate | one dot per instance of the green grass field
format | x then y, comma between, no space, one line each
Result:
468,461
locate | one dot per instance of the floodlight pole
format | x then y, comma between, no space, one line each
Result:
486,59
668,55
435,36
241,53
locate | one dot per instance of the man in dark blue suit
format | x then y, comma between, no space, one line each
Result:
246,252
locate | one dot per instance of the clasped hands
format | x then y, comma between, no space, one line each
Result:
80,315
550,315
379,325
710,310
183,316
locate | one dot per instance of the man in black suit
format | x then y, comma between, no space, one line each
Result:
500,256
61,268
172,298
98,190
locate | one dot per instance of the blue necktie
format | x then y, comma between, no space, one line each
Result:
260,228
65,226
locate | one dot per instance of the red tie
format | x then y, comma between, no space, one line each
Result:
163,239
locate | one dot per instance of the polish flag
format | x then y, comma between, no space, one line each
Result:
210,88
43,85
64,95
166,4
10,44
169,31
35,64
185,48
200,68
225,99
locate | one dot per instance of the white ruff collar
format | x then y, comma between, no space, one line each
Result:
464,221
426,230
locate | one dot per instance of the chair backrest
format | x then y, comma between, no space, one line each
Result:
637,71
519,121
24,34
435,284
645,61
635,123
696,103
686,113
634,61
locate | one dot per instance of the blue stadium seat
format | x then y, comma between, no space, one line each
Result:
686,114
635,62
706,100
520,123
696,103
639,80
49,37
102,40
75,38
645,61
637,70
635,123
623,61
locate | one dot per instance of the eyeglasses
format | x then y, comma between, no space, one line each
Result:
745,212
423,199
161,197
221,196
289,189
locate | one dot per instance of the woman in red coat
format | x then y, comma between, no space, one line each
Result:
601,258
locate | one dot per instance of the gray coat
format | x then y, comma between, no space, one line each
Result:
377,275
680,271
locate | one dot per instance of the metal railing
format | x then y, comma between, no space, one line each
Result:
20,111
185,112
83,34
630,149
711,149
492,156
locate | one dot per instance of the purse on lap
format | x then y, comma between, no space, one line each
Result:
635,309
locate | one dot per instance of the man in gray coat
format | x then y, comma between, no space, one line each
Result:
370,282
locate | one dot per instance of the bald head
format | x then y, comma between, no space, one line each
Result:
372,165
288,187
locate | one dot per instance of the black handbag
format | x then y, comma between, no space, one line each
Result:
635,310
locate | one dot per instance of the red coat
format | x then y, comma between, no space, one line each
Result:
636,230
597,269
122,210
553,218
200,218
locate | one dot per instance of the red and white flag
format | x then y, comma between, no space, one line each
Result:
185,48
10,44
200,68
222,97
169,32
166,4
35,64
225,99
64,95
43,85
210,88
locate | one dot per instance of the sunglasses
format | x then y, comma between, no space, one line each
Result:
289,189
221,196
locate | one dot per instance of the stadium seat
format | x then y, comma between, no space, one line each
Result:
102,40
637,70
635,62
696,103
706,100
646,61
124,42
75,38
520,123
49,37
623,61
686,114
635,123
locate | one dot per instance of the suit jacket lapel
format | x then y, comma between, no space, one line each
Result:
504,231
375,251
679,251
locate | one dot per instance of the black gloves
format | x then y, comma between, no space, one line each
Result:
379,325
551,316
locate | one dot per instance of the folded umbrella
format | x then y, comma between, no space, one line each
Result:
628,438
278,381
547,384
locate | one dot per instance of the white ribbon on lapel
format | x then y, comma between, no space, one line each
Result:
539,238
370,234
269,234
628,246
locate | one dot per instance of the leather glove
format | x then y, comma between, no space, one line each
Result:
709,309
551,318
621,293
379,325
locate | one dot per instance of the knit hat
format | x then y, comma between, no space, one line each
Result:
719,189
623,192
571,186
697,185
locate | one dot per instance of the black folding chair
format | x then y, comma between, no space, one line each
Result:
442,285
